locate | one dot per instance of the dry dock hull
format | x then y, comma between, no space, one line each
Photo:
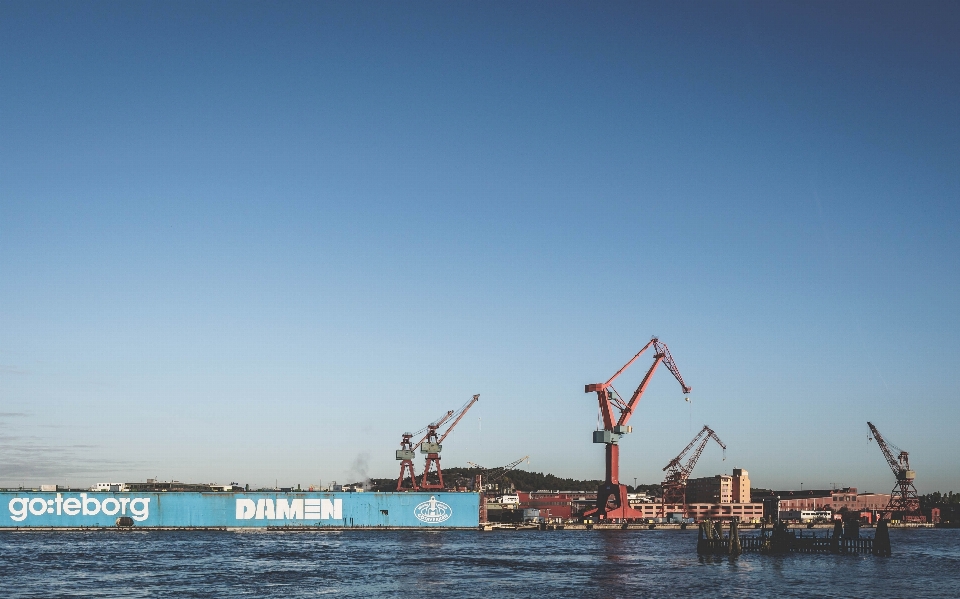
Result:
260,510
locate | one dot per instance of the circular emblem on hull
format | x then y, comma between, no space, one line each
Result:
433,511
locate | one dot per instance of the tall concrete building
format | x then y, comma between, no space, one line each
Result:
741,486
721,488
710,489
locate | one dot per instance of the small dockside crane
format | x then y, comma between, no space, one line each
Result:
494,474
432,445
675,483
610,400
408,451
903,497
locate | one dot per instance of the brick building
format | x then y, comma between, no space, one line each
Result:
834,500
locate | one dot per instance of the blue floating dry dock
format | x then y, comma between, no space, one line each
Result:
254,510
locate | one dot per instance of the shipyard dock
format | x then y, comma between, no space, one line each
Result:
242,510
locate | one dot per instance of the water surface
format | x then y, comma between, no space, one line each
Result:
467,564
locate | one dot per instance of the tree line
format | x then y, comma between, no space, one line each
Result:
519,480
948,503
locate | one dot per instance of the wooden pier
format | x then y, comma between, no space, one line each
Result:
780,540
796,545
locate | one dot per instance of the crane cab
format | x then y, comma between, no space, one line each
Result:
431,448
608,437
406,454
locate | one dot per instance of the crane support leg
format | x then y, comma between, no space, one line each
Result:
433,461
612,504
613,464
612,491
405,467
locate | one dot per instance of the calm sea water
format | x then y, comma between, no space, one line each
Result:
466,564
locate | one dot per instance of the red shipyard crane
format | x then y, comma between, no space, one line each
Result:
613,429
408,451
675,484
432,444
903,497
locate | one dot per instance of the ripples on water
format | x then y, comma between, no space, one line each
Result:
463,564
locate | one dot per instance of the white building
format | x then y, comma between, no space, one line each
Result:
110,487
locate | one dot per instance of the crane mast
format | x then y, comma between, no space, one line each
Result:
903,497
675,483
615,427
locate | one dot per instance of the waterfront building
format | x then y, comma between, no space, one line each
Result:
722,488
835,500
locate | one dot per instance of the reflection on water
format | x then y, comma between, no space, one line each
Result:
456,564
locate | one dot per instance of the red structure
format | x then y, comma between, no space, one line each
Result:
903,497
561,505
675,484
433,444
408,451
611,491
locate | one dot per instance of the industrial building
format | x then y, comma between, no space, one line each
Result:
720,497
844,500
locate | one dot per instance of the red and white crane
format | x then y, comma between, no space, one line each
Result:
903,497
613,429
675,483
432,444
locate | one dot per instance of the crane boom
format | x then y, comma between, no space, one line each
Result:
704,436
670,364
501,470
884,447
692,462
676,461
463,412
432,426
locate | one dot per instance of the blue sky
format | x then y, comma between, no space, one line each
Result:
255,243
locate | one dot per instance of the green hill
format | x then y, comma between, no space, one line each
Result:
521,480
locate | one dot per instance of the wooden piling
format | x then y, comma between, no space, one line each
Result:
734,547
881,540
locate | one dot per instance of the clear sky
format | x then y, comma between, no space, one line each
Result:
255,242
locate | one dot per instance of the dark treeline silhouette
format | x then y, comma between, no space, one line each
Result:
520,480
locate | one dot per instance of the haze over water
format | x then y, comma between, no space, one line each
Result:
462,564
